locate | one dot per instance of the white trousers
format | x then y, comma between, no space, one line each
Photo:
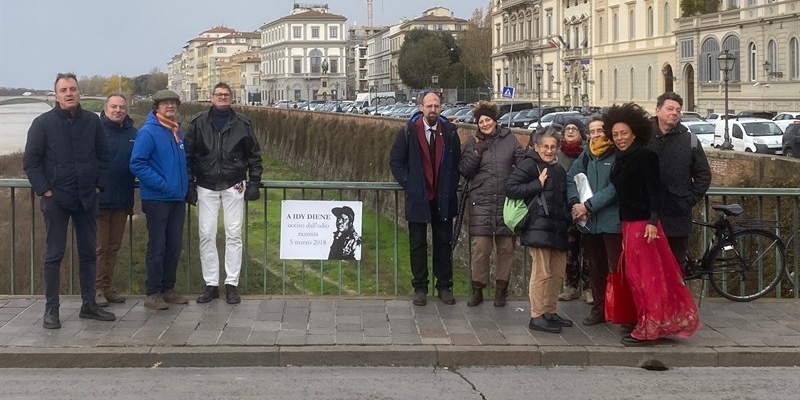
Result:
208,203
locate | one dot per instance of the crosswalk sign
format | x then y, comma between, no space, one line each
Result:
508,92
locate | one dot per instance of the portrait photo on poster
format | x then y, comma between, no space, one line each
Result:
320,230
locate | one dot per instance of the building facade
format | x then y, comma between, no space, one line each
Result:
764,38
303,55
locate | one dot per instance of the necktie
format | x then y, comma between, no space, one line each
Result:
432,148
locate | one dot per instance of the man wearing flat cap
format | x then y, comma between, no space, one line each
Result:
346,241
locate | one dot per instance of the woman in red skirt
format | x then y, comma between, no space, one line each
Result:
664,305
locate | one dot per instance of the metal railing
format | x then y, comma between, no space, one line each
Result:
382,271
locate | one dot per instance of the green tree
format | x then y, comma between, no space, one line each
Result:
118,83
92,86
425,55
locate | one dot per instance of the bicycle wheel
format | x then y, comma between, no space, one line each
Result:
789,268
747,265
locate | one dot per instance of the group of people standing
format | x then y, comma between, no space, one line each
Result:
84,169
645,176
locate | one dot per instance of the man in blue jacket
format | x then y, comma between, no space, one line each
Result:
424,161
116,202
66,160
159,161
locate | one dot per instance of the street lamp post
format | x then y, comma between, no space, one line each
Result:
308,99
376,97
726,61
539,71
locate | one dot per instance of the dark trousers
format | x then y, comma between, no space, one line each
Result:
680,249
442,252
602,253
56,219
165,238
576,270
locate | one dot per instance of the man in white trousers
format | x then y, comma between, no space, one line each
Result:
224,161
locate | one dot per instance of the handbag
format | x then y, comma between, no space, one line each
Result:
620,307
516,212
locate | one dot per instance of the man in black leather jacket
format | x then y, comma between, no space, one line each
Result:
221,152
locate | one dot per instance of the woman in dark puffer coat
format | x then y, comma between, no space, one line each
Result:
487,161
546,234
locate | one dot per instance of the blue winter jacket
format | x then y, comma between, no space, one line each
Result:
159,162
405,161
119,140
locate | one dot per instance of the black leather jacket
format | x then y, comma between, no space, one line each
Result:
219,159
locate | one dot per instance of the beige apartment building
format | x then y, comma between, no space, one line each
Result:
206,60
764,38
296,49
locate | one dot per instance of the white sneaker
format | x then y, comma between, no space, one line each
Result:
588,297
569,293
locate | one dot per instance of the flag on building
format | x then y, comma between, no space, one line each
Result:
563,42
553,43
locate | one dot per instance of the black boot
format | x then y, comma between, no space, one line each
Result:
476,297
50,319
211,293
231,295
91,310
500,293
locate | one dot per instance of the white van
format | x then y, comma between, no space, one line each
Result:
365,102
755,135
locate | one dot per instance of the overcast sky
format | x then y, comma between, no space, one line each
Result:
39,38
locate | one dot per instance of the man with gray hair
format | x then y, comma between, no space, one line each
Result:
66,161
116,202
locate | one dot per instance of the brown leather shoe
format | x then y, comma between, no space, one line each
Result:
593,319
114,297
171,296
155,302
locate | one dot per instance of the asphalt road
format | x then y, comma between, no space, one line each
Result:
349,383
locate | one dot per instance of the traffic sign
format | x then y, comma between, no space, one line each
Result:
508,92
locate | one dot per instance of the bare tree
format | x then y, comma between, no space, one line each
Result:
478,39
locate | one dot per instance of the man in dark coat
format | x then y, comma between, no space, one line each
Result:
685,174
424,161
116,202
66,160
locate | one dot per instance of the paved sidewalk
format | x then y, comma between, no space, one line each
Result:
275,331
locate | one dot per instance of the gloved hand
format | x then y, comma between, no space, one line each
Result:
481,146
253,191
191,195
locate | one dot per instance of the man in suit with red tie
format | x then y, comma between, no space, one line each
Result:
424,161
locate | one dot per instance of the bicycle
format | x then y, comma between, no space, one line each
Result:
788,272
742,264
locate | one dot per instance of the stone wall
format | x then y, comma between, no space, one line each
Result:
350,147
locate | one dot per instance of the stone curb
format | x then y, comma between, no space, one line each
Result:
394,355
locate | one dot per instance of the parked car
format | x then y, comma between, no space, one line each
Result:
505,119
755,135
691,116
791,141
756,114
785,119
525,118
704,131
711,117
555,117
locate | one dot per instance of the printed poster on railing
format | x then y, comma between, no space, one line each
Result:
320,230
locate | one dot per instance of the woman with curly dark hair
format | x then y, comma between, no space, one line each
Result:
664,306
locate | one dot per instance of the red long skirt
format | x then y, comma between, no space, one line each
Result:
664,305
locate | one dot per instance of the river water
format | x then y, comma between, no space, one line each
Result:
15,119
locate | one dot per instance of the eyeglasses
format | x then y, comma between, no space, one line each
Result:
546,147
570,128
222,95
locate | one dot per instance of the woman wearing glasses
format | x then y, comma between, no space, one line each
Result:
602,240
541,181
664,306
571,147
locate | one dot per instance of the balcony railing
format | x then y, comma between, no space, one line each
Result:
521,45
383,269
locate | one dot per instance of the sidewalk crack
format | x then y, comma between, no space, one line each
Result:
472,385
